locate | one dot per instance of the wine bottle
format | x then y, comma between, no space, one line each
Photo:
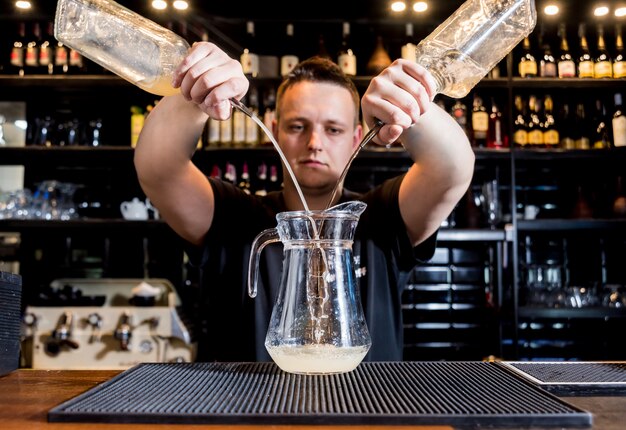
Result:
566,128
380,58
250,58
239,125
252,129
244,182
31,55
496,138
46,50
619,65
520,130
322,51
566,66
585,61
480,123
408,48
580,133
600,129
547,64
551,138
619,122
346,58
535,126
289,59
603,66
527,66
18,50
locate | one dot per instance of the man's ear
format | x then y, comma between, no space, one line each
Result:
358,135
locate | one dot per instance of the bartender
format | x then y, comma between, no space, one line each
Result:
317,128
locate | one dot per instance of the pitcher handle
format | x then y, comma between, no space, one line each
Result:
264,238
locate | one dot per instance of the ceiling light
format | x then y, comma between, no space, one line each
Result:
22,4
601,11
159,4
420,6
620,11
398,6
181,4
551,9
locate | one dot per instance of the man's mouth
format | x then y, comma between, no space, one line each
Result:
310,162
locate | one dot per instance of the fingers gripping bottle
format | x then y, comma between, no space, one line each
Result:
476,37
122,41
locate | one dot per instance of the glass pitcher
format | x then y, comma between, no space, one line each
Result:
317,324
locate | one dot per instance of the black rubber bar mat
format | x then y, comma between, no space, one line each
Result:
466,394
573,378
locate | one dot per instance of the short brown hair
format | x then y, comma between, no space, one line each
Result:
323,70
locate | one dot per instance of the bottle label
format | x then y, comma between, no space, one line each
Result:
252,132
287,63
527,68
226,132
535,137
17,57
214,132
603,69
45,55
30,59
567,69
551,138
619,131
568,143
480,124
239,127
60,56
548,70
585,69
583,143
250,63
520,137
76,59
347,62
408,52
619,69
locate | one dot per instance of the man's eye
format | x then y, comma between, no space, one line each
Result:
333,130
296,127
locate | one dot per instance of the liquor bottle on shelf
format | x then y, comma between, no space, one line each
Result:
496,137
31,55
600,129
408,48
535,125
137,119
585,61
289,59
603,66
566,66
269,103
580,132
76,62
322,51
520,129
18,50
379,58
547,64
213,133
459,113
619,122
239,125
252,129
226,132
250,57
566,127
346,58
274,184
480,123
46,50
551,138
527,66
619,64
244,182
261,177
61,58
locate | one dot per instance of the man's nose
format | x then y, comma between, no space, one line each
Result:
315,141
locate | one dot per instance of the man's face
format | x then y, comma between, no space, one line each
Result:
317,134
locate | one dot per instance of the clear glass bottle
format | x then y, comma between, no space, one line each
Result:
112,36
480,33
346,58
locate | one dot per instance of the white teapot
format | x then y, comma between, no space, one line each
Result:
134,210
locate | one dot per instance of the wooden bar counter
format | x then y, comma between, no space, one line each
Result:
27,395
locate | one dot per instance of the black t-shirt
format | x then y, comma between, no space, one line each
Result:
233,325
